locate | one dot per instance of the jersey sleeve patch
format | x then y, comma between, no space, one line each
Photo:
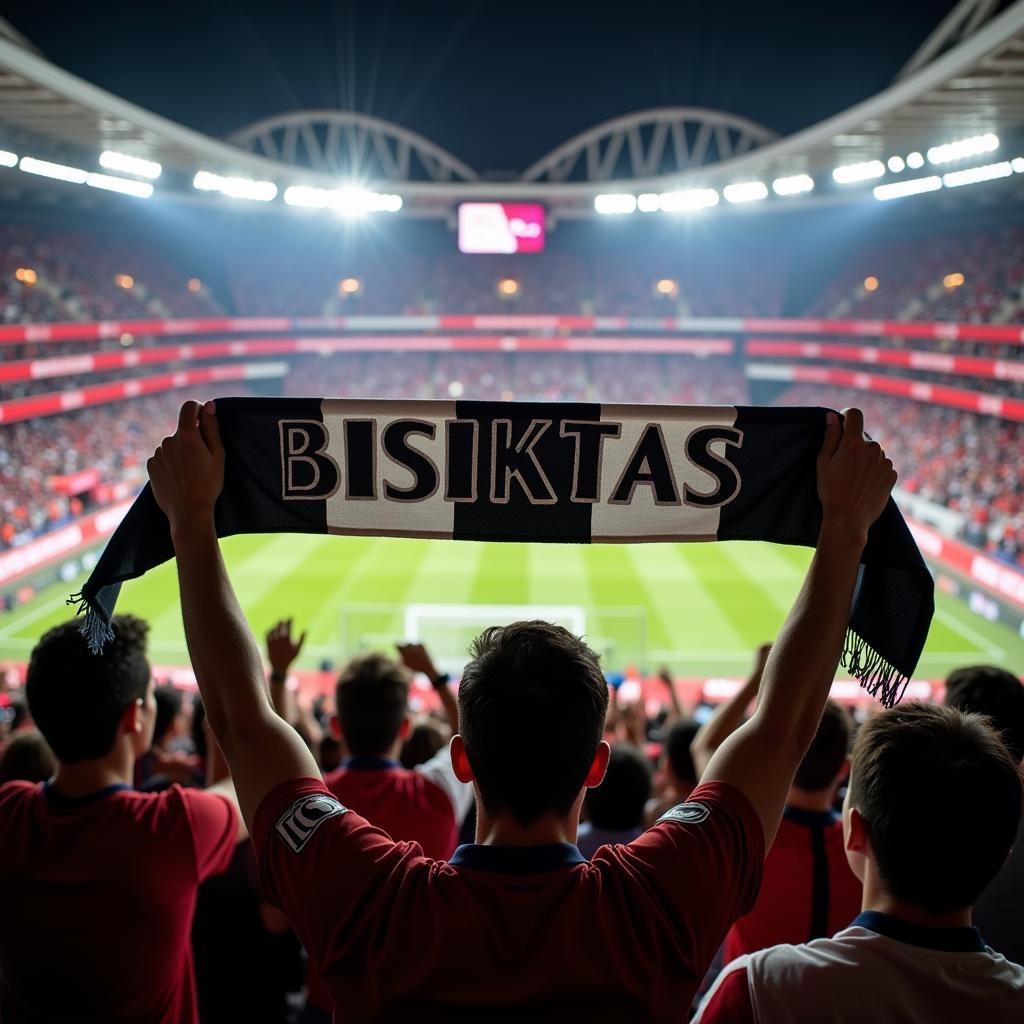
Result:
296,826
690,813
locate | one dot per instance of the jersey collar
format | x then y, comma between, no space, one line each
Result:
943,940
369,763
517,860
810,819
69,803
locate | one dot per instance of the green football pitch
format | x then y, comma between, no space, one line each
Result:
700,608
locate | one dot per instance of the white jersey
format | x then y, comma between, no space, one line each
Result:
879,968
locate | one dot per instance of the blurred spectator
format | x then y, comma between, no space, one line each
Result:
999,695
27,757
615,809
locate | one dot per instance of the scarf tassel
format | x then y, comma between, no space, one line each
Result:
95,627
876,675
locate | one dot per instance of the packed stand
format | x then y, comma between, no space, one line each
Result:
959,460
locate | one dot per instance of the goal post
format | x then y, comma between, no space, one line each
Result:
619,635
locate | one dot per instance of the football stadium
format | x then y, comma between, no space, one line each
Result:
496,349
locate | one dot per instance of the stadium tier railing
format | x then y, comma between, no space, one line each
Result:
902,387
873,355
53,403
41,333
100,362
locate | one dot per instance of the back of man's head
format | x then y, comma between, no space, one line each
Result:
828,750
677,751
940,796
371,697
77,698
618,803
994,693
541,674
168,707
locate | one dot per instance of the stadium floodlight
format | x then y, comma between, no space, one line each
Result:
686,199
8,159
847,174
235,188
912,187
50,170
793,185
615,202
139,189
915,161
963,148
648,202
971,175
350,201
1017,163
745,192
895,164
127,164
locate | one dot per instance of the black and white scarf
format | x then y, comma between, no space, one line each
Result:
551,472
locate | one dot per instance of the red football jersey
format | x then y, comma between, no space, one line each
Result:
808,891
533,933
97,897
409,804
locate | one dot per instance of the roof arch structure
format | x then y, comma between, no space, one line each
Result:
649,143
967,79
352,144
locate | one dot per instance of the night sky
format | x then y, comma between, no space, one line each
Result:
497,83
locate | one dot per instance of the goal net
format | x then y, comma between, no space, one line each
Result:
619,635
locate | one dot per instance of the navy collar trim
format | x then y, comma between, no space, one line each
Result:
369,763
944,940
517,860
810,819
69,803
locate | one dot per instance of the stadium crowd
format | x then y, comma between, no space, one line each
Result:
252,855
957,460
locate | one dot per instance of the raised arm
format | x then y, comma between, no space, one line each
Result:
761,757
416,658
727,716
261,749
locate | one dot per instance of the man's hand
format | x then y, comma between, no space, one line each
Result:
855,478
416,659
282,649
187,471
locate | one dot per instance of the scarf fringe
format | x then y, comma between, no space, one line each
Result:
95,627
872,671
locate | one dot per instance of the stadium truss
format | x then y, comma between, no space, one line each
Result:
967,79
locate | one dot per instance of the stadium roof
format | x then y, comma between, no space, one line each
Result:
966,80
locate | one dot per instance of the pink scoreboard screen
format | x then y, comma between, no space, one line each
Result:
501,227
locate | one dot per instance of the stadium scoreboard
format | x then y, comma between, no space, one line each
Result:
501,227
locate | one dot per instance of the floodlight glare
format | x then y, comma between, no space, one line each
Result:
615,203
50,170
128,164
745,192
235,188
963,148
349,201
140,189
1017,163
913,187
915,161
648,202
895,164
971,175
683,200
849,173
794,185
8,159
